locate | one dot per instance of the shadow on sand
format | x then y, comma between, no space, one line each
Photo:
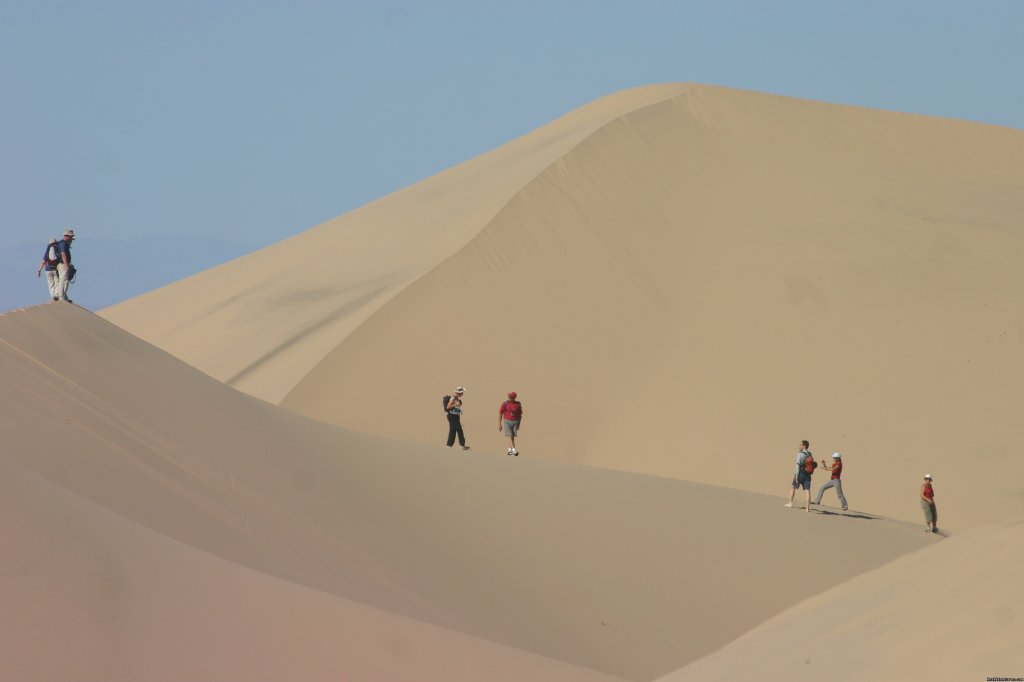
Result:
847,514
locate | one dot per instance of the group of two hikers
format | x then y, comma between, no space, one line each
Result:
510,417
805,466
57,264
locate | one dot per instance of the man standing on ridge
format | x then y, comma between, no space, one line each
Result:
65,270
802,474
837,470
49,263
453,408
510,416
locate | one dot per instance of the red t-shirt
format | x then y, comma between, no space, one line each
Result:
929,494
511,410
837,468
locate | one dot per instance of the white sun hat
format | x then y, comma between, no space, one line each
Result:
836,455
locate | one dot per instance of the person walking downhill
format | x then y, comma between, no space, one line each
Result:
837,470
931,514
49,263
510,417
65,270
453,408
805,465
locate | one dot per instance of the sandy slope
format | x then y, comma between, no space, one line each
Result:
681,280
627,574
952,612
719,275
89,595
261,323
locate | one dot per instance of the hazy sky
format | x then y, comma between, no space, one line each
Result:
251,121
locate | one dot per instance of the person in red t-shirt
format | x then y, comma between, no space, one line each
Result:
510,417
837,470
931,515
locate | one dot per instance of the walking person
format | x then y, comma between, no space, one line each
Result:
65,270
510,417
453,408
805,465
931,514
837,470
49,263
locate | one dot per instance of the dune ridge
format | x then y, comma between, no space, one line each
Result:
260,323
591,569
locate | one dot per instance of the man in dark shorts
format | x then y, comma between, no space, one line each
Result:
802,474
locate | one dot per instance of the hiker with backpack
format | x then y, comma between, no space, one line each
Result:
805,466
835,482
49,263
65,270
453,408
510,417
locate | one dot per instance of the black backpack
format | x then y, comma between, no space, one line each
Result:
446,399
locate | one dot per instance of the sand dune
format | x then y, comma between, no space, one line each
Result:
625,574
89,595
262,323
679,280
951,612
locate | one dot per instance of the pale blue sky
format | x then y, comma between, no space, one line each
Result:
252,121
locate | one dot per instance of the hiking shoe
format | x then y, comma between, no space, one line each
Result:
509,453
56,298
515,453
464,447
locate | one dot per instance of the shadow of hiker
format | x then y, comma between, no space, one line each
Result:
849,515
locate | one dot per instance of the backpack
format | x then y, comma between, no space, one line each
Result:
445,402
50,256
809,464
512,410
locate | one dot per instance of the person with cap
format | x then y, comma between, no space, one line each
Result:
65,270
931,515
49,263
837,470
454,411
802,474
510,417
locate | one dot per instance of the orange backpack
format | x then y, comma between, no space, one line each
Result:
809,464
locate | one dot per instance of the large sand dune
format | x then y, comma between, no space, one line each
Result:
263,322
143,498
679,280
